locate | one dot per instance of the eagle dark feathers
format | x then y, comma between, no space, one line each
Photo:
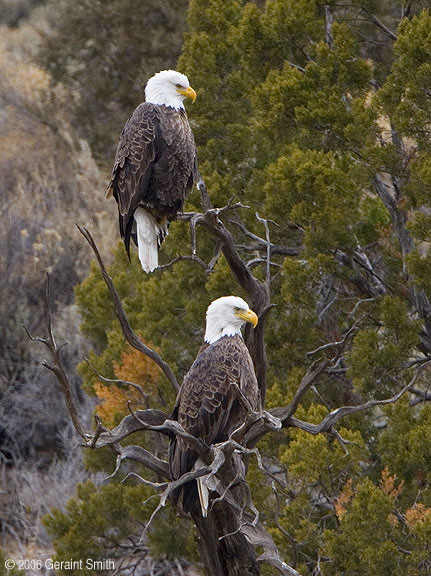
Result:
210,404
155,165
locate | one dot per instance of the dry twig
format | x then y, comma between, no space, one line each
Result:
57,367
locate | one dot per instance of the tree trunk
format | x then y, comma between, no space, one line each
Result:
224,550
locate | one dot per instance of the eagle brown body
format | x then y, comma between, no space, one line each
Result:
209,404
155,167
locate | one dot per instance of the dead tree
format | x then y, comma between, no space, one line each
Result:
230,535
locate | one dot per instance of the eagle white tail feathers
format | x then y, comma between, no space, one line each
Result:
205,484
150,234
204,496
147,234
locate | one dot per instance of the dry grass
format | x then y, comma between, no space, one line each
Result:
49,182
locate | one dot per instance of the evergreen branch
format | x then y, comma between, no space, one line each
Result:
129,334
389,194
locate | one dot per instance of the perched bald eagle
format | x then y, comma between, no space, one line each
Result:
209,404
155,165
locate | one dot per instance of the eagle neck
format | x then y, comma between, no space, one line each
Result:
160,99
216,330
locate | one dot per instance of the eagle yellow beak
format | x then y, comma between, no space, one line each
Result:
188,93
248,316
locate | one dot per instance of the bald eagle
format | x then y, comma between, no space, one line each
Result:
155,165
210,404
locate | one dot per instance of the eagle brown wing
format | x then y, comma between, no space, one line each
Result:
135,155
209,404
175,169
155,165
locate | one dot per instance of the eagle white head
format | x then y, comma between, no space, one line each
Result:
225,316
169,88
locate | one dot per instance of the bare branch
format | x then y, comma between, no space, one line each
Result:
205,199
256,261
420,396
300,68
139,454
328,27
268,248
285,414
332,418
261,244
308,380
195,443
139,420
215,257
358,303
192,258
137,387
57,367
337,344
380,25
131,336
258,292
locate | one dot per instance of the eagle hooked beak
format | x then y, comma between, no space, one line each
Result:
248,316
188,93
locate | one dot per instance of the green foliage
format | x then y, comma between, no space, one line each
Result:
419,261
385,539
372,549
404,446
378,354
313,189
406,91
101,519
